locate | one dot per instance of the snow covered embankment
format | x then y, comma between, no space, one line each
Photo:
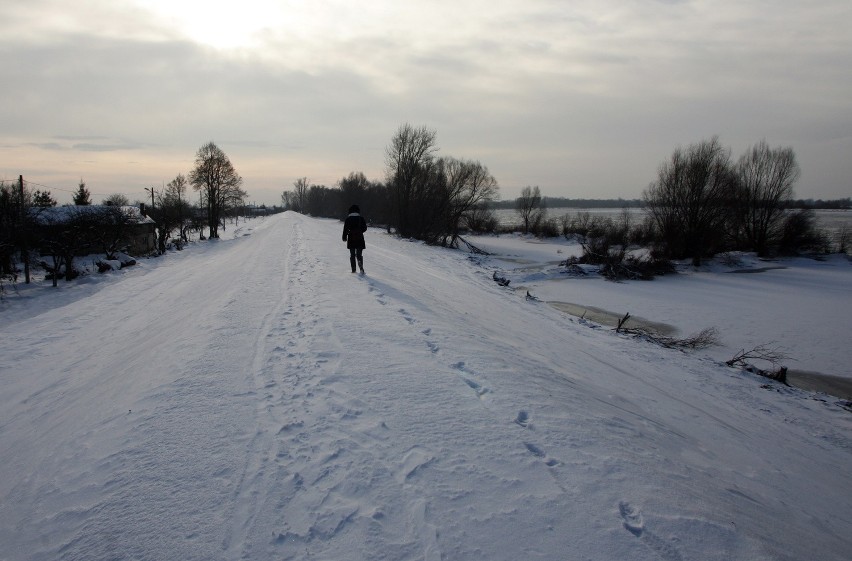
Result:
255,400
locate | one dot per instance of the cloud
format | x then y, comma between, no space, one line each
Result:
548,93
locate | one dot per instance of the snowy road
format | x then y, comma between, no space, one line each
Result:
252,399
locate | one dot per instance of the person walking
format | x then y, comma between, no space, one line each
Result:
353,234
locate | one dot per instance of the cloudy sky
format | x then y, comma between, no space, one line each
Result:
582,98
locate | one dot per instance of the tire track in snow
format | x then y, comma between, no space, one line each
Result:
342,475
310,483
293,498
255,474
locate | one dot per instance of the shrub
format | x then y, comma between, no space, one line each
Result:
799,233
636,268
843,238
543,227
576,226
688,200
481,219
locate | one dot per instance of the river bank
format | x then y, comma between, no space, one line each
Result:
799,307
824,383
812,381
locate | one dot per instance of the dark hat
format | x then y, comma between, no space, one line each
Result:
354,208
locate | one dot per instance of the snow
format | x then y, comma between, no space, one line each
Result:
62,214
252,399
800,306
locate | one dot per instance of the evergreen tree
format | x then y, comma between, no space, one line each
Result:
81,197
43,199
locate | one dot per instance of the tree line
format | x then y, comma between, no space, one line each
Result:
566,202
703,202
619,203
32,228
424,196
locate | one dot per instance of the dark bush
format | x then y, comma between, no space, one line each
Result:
800,233
481,220
634,268
577,226
544,227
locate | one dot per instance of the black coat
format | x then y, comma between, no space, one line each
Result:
353,231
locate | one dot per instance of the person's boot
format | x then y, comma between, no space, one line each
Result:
352,263
361,264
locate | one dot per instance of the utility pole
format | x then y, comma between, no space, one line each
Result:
25,248
152,196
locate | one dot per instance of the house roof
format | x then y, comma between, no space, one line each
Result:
64,214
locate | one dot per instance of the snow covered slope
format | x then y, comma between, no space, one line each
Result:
252,399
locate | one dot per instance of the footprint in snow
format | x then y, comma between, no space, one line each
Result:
535,450
412,462
633,523
632,518
464,374
380,296
523,419
539,453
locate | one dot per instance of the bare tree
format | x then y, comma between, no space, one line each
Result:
353,190
323,201
286,199
430,197
171,212
765,179
371,196
117,199
409,159
529,206
469,184
217,180
689,201
299,200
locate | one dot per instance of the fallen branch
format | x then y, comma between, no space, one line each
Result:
473,249
705,338
502,281
765,353
761,352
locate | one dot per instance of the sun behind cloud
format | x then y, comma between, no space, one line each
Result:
225,26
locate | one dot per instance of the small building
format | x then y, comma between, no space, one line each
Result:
88,229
